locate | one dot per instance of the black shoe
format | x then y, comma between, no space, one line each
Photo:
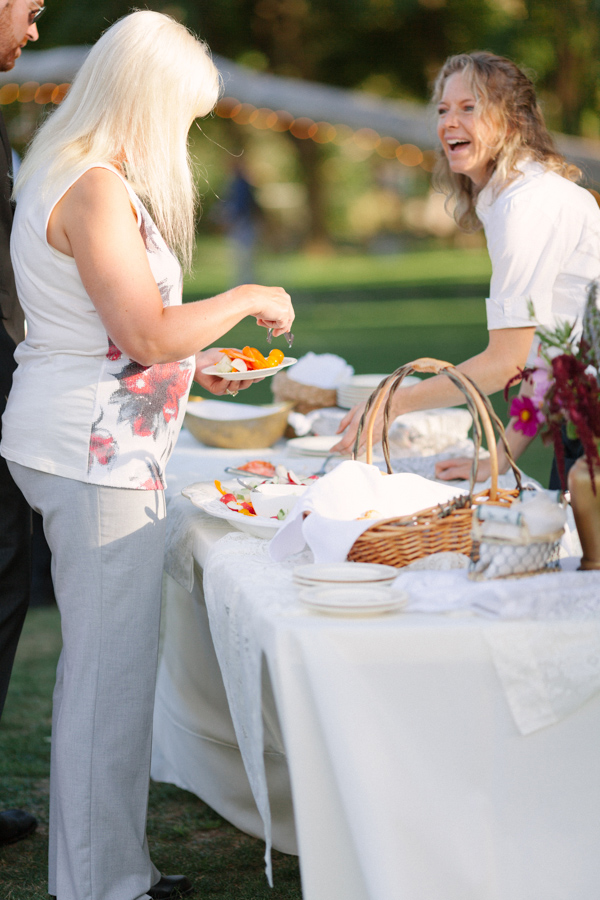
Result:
15,824
169,887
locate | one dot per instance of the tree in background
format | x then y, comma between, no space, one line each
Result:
391,47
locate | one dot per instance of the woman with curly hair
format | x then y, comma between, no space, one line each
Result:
501,172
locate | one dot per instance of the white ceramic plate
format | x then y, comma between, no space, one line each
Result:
205,496
360,388
312,445
345,573
254,374
353,600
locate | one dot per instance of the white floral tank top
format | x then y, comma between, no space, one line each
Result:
79,407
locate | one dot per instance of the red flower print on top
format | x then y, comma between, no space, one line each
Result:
113,351
150,395
103,448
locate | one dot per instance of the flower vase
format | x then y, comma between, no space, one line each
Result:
586,510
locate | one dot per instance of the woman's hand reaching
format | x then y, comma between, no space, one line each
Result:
349,427
271,306
459,469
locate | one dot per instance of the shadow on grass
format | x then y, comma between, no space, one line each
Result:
184,834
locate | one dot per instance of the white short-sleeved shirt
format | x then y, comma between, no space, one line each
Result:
79,407
543,237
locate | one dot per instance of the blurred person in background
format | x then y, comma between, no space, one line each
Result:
18,20
501,171
240,216
96,406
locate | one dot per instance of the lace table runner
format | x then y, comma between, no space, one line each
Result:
234,614
546,648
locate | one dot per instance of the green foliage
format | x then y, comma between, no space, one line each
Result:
591,325
348,42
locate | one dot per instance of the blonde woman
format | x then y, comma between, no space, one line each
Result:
105,215
500,171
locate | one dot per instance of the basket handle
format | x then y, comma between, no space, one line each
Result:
478,403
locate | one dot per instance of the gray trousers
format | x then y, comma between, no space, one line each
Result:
107,556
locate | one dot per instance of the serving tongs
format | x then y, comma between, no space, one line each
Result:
244,473
287,335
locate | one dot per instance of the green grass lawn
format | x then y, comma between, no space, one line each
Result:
184,834
324,273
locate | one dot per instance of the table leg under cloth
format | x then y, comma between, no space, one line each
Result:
194,744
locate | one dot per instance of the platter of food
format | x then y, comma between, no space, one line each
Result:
206,497
256,504
248,364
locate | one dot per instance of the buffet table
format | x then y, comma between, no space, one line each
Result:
410,777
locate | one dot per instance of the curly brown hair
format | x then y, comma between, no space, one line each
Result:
505,97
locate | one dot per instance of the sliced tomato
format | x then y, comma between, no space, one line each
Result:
259,467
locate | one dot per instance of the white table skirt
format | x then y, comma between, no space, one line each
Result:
410,780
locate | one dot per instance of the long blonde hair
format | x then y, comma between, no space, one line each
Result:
506,97
132,103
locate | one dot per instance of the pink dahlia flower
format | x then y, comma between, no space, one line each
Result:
528,417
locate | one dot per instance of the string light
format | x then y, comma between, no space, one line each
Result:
33,92
303,128
263,118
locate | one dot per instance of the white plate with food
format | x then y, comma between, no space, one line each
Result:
345,573
353,600
251,375
205,496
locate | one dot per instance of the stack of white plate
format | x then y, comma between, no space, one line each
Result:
328,574
348,589
360,387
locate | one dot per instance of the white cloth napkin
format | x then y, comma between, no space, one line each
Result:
323,370
546,652
337,500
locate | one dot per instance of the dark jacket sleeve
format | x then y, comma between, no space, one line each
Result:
11,321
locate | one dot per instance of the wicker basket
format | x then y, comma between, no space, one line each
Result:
305,397
400,541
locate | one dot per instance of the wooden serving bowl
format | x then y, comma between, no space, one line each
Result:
238,434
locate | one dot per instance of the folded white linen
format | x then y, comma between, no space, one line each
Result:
323,370
336,501
546,672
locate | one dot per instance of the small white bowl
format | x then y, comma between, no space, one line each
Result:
269,499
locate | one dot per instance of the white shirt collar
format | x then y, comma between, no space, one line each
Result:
492,191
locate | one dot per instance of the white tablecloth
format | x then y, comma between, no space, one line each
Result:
409,777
